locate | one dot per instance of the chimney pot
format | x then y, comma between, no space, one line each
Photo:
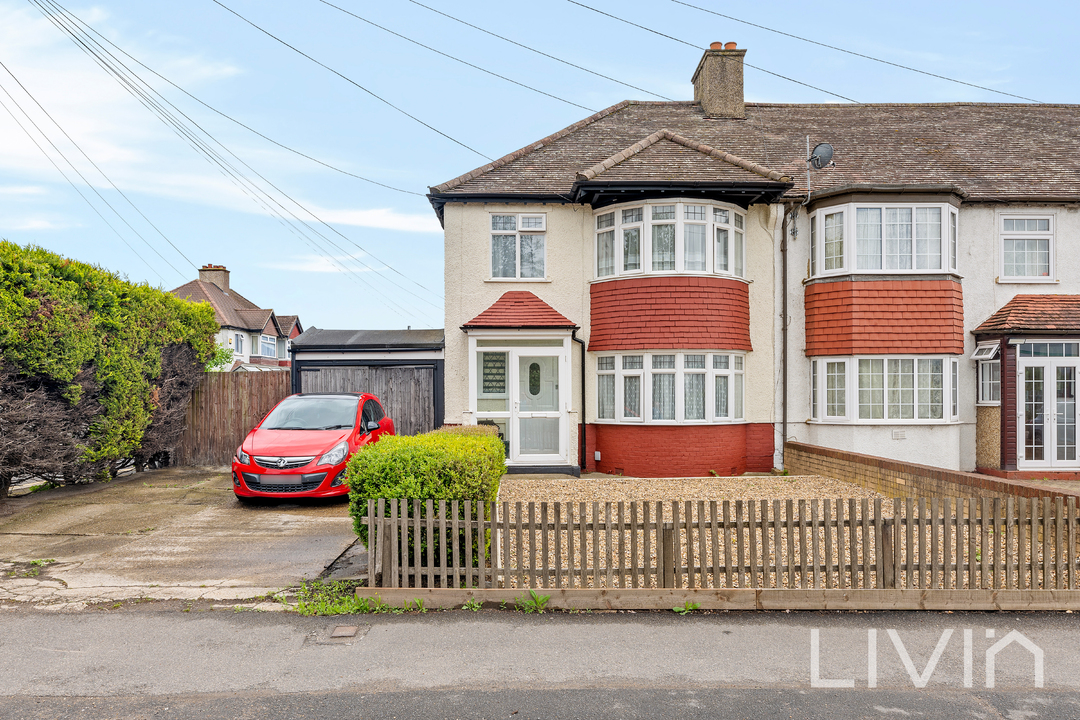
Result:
216,274
718,82
717,46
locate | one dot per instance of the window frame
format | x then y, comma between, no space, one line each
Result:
736,407
856,391
264,341
1049,235
735,224
822,266
518,232
983,367
238,338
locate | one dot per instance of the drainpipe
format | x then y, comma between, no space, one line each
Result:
575,338
784,319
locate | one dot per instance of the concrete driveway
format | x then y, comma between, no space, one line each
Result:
176,533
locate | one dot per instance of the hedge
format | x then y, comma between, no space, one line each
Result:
451,463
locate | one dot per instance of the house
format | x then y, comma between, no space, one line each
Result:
403,368
259,339
669,288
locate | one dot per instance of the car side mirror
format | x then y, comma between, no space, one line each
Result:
372,425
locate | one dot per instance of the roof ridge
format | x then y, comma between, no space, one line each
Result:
665,134
510,157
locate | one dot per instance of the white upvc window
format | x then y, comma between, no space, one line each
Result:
663,237
267,346
889,389
239,346
989,382
1027,248
888,238
668,387
518,246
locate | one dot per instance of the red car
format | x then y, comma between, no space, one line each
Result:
301,447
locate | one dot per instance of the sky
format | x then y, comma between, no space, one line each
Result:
304,235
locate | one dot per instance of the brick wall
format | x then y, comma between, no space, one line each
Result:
678,451
848,317
670,312
898,479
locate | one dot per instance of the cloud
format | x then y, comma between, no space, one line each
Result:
22,190
36,224
383,219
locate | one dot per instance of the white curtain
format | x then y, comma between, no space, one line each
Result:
663,395
605,389
605,253
694,238
532,256
694,396
504,256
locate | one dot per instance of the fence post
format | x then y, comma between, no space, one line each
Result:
386,538
668,573
887,555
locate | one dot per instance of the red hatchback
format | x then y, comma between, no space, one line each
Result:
301,447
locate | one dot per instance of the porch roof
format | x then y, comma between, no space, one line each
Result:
519,309
1033,315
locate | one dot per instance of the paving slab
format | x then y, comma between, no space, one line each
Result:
169,534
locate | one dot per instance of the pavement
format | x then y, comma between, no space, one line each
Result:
174,533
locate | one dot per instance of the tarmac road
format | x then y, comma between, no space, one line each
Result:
148,661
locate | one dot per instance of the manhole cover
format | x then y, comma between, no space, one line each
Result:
344,631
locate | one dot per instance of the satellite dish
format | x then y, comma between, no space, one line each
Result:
821,157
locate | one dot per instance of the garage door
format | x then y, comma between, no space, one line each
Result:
406,392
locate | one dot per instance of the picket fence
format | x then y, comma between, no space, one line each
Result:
843,544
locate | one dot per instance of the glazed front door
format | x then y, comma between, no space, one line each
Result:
1047,414
538,413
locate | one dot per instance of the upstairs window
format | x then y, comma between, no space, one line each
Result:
670,237
1027,248
518,247
887,239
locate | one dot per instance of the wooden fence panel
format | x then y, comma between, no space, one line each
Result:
223,409
406,392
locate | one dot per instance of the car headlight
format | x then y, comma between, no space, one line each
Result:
242,456
336,454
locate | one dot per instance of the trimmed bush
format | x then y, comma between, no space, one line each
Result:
451,463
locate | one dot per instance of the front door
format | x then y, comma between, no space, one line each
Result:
537,413
1047,413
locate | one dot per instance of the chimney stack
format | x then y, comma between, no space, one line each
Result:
718,82
216,274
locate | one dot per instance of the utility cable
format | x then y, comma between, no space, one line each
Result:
351,81
455,59
228,117
102,172
856,54
684,42
73,185
539,52
99,53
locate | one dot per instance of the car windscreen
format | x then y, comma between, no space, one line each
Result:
313,413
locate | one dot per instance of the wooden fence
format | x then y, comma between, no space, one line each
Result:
407,392
852,545
223,410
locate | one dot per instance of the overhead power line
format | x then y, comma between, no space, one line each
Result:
352,82
455,59
539,52
856,54
69,180
146,95
696,47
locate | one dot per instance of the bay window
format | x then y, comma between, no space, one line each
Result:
670,237
889,389
887,238
678,387
267,346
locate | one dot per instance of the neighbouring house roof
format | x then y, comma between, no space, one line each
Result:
287,323
987,151
231,309
318,339
519,309
1035,314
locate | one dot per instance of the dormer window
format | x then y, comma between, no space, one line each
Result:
665,237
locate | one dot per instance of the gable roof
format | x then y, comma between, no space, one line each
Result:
990,151
287,323
1038,314
519,309
231,309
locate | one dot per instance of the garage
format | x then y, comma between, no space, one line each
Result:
403,368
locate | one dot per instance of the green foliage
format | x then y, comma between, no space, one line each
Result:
446,464
318,597
59,317
686,608
471,604
221,358
532,603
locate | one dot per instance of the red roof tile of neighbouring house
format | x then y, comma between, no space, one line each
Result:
519,309
1054,314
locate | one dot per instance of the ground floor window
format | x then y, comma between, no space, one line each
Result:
990,382
886,389
670,387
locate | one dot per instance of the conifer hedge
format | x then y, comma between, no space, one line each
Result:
81,364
